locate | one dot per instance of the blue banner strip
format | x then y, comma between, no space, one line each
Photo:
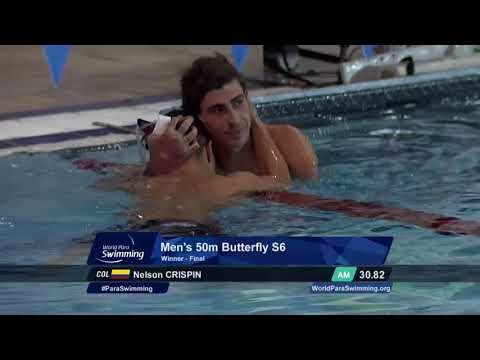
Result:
127,288
154,249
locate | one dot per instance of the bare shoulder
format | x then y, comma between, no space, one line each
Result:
288,130
296,149
289,135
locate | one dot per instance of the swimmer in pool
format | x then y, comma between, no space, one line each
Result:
179,203
214,92
192,191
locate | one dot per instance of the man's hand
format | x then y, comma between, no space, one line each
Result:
291,151
174,147
269,158
256,121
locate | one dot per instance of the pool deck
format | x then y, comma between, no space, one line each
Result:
70,129
110,84
117,89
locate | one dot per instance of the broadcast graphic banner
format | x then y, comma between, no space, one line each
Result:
145,248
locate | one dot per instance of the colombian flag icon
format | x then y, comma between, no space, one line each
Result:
120,274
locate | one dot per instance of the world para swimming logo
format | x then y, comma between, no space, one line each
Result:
120,248
117,253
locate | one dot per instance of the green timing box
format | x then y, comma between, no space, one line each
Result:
344,274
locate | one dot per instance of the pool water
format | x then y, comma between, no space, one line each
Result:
424,159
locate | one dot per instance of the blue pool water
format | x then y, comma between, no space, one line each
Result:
419,158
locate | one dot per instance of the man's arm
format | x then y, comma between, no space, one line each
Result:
243,183
297,151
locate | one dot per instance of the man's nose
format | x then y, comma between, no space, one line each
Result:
234,119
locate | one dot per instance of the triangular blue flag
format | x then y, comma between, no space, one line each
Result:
368,51
239,53
56,56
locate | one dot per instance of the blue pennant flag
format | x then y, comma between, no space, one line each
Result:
368,51
56,56
239,53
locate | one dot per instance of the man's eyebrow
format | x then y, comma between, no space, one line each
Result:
211,107
238,97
